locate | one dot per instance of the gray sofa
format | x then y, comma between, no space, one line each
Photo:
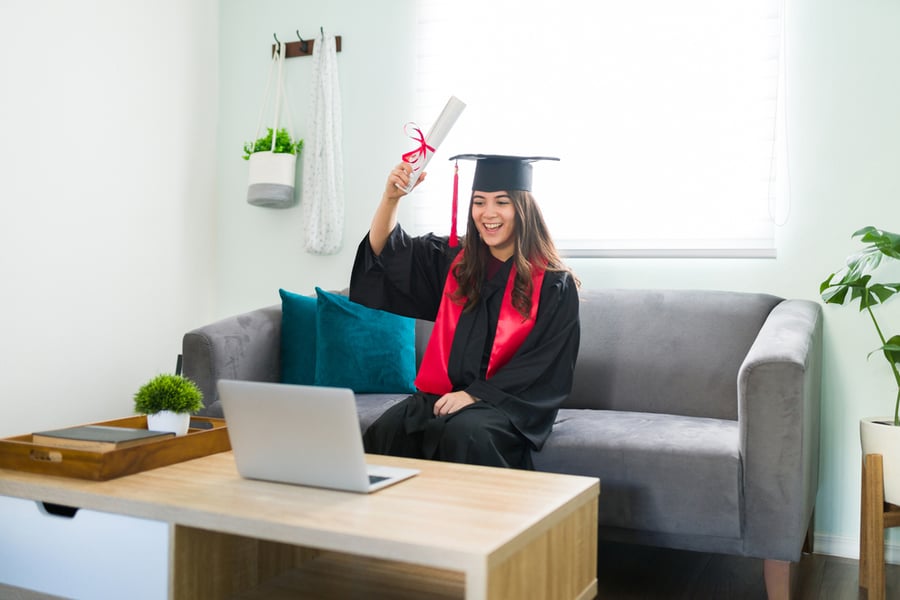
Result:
698,411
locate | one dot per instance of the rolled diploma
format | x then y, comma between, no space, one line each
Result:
435,136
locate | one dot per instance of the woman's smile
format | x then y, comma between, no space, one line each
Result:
495,218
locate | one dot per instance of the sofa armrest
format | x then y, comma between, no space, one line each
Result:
245,346
779,391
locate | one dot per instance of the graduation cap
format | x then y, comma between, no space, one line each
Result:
494,172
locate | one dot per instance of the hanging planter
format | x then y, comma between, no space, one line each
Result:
273,157
272,171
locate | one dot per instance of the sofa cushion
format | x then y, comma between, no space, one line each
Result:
658,473
366,350
665,351
298,338
370,406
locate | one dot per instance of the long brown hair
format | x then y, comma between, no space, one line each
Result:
533,248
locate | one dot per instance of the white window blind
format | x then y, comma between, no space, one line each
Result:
663,113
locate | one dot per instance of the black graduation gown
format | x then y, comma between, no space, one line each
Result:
408,279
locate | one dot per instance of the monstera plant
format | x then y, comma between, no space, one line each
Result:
855,284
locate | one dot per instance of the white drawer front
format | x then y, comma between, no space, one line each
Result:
92,555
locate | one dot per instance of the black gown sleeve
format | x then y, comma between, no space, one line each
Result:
407,278
535,382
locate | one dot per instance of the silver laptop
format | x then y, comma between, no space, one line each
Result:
304,435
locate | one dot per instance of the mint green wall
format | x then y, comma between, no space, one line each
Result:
261,249
844,128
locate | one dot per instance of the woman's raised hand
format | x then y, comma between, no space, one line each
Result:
385,218
398,180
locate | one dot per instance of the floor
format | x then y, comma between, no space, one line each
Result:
637,572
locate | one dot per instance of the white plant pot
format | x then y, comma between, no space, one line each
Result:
879,436
271,179
166,420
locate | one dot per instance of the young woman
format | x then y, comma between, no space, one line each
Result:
500,359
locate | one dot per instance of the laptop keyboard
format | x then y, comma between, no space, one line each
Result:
376,479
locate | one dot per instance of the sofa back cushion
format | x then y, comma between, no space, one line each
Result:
423,332
665,351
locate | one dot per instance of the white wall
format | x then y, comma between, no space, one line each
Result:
107,134
844,127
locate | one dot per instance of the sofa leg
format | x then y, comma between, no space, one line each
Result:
780,579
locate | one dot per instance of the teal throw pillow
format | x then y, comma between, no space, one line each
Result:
366,350
298,338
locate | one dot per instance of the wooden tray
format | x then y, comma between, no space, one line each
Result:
20,454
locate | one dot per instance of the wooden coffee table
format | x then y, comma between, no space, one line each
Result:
453,531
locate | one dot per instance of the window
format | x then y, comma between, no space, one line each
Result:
663,113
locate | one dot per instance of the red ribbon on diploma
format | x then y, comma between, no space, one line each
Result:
414,156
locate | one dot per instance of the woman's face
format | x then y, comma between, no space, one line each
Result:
495,218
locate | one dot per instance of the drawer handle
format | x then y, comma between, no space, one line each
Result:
46,456
58,510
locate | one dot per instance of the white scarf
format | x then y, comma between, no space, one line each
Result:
323,168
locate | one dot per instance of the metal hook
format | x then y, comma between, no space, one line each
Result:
305,46
278,49
322,31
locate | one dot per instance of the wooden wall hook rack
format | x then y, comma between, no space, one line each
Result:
294,49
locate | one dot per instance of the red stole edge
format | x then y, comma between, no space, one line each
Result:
511,331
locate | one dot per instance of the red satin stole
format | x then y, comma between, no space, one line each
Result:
512,330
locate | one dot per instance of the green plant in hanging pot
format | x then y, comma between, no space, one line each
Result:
283,144
272,172
168,401
854,284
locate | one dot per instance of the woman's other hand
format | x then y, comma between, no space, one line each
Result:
452,402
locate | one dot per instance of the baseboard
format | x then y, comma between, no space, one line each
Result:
847,547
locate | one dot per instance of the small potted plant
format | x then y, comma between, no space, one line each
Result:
878,435
273,168
168,401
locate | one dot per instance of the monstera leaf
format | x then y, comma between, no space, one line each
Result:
854,283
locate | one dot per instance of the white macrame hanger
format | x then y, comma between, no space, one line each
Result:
279,91
284,97
280,94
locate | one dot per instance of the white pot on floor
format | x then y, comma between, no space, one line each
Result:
878,435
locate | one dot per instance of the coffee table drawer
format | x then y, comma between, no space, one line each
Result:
86,555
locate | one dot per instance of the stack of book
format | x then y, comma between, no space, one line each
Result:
98,438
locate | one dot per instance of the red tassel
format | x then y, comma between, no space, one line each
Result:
454,242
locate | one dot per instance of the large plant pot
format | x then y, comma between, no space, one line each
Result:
271,179
879,436
166,420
